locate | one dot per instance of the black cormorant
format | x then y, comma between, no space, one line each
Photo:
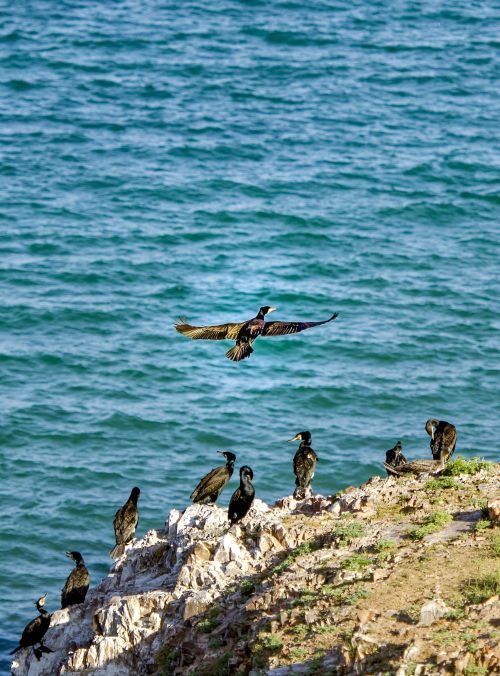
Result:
210,487
443,437
304,465
418,467
242,498
244,333
35,631
77,584
394,456
125,523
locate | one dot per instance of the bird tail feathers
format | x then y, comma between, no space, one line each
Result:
239,351
117,551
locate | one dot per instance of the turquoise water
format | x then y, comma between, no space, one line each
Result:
203,160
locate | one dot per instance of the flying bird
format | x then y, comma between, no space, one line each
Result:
77,584
242,498
443,437
35,631
125,523
210,487
244,333
304,465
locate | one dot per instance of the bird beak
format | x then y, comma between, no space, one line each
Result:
296,438
271,309
432,433
68,554
221,452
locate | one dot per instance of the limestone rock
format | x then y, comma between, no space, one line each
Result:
494,511
432,611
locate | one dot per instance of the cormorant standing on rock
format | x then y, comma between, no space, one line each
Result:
418,467
443,437
394,456
125,523
244,333
304,465
35,631
212,484
77,584
242,498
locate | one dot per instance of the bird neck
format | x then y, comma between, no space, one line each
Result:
80,564
260,315
246,486
230,465
41,610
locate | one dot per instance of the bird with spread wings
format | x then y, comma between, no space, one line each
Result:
244,333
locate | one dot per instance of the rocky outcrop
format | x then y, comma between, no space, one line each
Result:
199,591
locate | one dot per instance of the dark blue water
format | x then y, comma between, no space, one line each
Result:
161,161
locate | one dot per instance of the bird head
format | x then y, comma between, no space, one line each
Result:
266,309
302,436
230,457
246,472
76,556
135,492
430,426
41,601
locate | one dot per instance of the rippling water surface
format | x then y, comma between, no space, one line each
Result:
205,159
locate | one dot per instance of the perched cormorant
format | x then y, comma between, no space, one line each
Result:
244,333
210,487
125,523
304,465
443,437
35,631
77,584
242,498
418,467
394,456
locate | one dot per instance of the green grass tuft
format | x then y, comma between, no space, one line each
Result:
479,589
495,544
462,466
441,482
347,532
356,562
483,524
206,625
270,642
432,524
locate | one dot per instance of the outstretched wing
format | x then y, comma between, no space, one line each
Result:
284,328
218,332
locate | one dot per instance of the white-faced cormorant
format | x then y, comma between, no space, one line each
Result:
418,467
35,631
77,584
242,498
394,456
125,523
210,487
443,437
304,465
244,333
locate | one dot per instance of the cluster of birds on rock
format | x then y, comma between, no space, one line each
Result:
443,442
